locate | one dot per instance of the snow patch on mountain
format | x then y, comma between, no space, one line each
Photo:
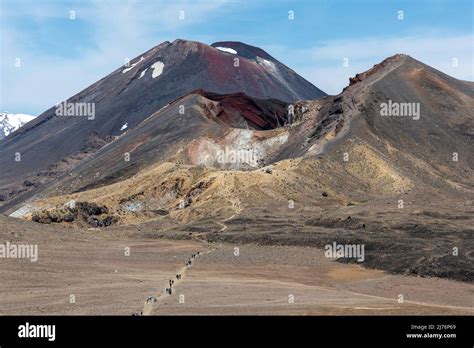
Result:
227,49
157,69
267,65
272,68
11,122
131,66
143,73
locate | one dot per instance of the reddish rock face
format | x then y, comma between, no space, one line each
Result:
241,111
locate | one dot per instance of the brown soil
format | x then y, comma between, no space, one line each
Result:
91,264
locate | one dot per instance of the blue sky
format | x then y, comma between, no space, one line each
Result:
60,56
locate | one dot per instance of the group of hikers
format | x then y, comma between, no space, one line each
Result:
171,282
178,276
151,299
190,261
169,290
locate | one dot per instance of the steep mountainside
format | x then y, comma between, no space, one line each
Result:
131,94
345,137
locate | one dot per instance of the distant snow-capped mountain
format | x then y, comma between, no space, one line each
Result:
11,122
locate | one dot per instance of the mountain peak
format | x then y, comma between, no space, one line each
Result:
384,67
243,50
186,42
